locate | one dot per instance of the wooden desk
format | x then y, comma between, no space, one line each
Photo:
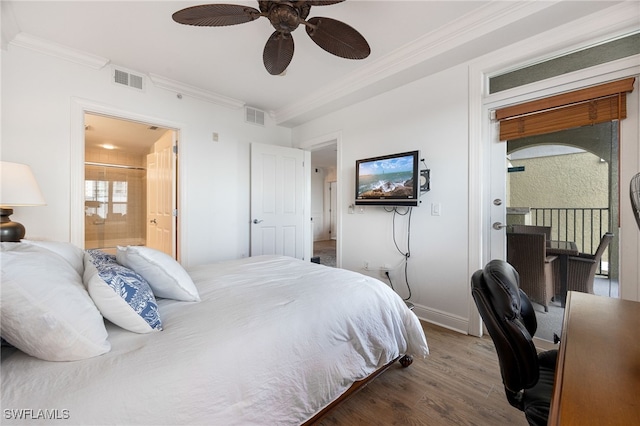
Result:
597,379
562,249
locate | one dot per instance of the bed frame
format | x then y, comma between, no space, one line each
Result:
404,360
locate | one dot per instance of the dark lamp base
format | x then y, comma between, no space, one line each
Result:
10,231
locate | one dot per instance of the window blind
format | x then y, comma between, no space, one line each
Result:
592,105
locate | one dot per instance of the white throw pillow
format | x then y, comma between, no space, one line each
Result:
123,297
72,254
46,311
166,277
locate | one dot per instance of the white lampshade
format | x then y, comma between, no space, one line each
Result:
19,186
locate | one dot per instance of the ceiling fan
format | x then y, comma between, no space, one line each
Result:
334,36
634,194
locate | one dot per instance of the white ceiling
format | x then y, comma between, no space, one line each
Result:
408,39
136,138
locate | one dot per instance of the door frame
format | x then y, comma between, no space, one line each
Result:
483,129
334,138
80,107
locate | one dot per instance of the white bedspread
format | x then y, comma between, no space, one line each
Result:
273,341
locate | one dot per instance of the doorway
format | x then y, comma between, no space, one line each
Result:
122,187
568,181
324,209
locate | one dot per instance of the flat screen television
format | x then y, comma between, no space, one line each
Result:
388,180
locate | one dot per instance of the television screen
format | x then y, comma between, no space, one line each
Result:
391,180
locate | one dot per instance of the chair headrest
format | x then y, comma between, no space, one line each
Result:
503,283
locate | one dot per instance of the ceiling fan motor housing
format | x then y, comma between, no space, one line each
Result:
285,16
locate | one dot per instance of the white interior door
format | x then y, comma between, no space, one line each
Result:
277,200
161,199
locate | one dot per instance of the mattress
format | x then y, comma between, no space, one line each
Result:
273,341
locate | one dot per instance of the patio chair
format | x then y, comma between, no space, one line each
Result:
581,269
527,253
532,229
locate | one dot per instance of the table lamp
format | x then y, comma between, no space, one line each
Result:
18,188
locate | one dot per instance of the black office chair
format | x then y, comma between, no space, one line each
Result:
510,319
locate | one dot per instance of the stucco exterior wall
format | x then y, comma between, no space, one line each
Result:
572,180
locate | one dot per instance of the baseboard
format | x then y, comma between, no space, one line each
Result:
442,319
544,345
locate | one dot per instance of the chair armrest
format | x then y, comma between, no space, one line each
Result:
550,259
581,259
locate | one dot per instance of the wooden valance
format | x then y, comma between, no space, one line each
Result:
583,107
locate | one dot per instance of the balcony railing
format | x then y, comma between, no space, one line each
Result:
583,226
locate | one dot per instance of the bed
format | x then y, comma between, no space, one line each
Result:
264,340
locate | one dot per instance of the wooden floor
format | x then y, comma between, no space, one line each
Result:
459,383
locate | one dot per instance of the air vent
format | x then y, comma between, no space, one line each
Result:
129,79
254,116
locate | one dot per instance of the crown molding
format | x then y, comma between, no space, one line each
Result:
481,21
46,47
615,22
195,92
8,25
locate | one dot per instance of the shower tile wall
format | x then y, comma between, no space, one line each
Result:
115,200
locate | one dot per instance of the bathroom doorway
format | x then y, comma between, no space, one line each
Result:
129,184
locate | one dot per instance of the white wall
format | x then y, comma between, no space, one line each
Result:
407,118
429,115
37,99
39,96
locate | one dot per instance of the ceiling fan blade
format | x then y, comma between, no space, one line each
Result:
634,194
216,15
338,38
323,2
278,52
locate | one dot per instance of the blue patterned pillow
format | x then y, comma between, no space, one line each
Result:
121,295
98,257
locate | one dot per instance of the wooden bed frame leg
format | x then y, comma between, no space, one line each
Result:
406,360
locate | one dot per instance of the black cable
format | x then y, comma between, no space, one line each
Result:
408,252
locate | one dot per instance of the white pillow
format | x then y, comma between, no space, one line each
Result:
123,297
46,311
166,277
72,254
